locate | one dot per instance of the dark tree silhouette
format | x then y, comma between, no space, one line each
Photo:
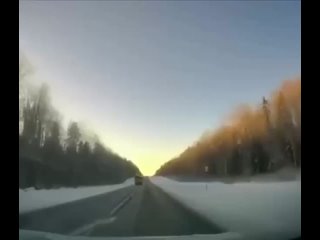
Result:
47,159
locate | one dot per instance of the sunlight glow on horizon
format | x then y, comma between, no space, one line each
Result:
139,151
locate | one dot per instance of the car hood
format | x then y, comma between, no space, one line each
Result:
34,235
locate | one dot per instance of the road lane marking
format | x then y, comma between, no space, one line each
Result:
87,229
121,204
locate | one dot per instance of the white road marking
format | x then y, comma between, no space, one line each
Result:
87,229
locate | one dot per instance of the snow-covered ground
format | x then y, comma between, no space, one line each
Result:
285,174
31,199
249,208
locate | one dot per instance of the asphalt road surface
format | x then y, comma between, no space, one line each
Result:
132,211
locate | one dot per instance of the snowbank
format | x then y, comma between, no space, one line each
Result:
248,208
285,174
31,199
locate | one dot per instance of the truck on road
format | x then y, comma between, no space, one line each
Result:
138,180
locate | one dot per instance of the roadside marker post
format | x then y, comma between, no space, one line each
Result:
206,169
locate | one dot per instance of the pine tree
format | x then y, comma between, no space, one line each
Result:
73,137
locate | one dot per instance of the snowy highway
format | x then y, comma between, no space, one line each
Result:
251,209
130,211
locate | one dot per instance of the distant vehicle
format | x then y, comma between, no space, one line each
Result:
138,180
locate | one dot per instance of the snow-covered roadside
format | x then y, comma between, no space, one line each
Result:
285,174
31,199
248,208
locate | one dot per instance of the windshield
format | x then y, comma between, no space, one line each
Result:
145,119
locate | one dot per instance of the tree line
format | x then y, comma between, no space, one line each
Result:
51,156
253,140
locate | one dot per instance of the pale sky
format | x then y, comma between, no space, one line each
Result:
151,76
